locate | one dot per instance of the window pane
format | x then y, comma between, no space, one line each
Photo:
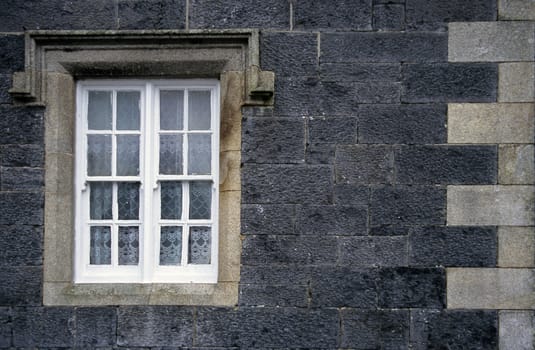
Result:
99,112
100,200
171,110
171,200
199,110
171,154
128,245
200,200
128,110
100,245
170,245
199,245
127,155
128,200
199,149
99,155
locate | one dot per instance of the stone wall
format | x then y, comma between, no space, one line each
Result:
387,197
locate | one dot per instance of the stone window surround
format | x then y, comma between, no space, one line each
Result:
55,59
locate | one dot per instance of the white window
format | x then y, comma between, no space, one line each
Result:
146,181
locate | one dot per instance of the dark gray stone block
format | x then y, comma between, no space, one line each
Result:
453,246
11,54
454,329
289,54
415,205
286,184
21,125
151,14
389,230
95,326
320,153
343,98
334,14
22,156
21,245
332,130
404,287
20,285
374,251
384,47
5,85
21,179
285,275
297,96
270,295
349,194
389,17
405,124
43,327
5,327
332,220
360,72
375,329
255,111
154,326
454,82
21,208
267,219
363,164
239,14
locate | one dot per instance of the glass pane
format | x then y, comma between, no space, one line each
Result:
171,200
100,245
199,245
200,198
100,200
128,200
99,155
99,112
199,110
128,110
170,245
171,110
128,245
199,150
127,155
171,154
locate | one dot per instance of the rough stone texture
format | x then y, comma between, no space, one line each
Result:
20,286
491,42
344,97
21,179
11,55
21,245
371,329
516,10
516,82
389,230
150,14
331,220
273,295
480,288
298,97
275,274
491,205
516,164
360,72
266,219
5,85
95,326
459,82
21,125
453,246
405,124
289,54
21,208
516,330
491,123
349,194
389,17
5,327
516,247
239,14
446,165
374,251
452,329
331,130
22,156
362,164
320,153
43,327
335,14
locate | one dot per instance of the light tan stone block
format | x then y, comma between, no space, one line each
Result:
491,205
229,236
516,164
516,246
517,9
490,288
229,171
516,82
491,122
491,41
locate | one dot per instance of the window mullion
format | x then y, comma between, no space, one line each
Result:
147,125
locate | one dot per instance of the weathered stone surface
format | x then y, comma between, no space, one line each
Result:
320,153
374,251
145,14
375,329
459,82
424,205
516,164
407,124
21,208
363,164
335,14
480,288
22,156
407,287
516,247
5,327
516,330
360,72
349,194
43,327
389,17
5,85
289,54
95,326
389,230
491,41
516,81
298,97
21,179
331,130
453,329
516,10
286,275
20,286
21,245
273,295
446,165
267,219
383,47
344,97
21,125
491,205
154,326
12,53
453,246
332,220
239,14
491,123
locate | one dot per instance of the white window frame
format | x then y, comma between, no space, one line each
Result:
148,269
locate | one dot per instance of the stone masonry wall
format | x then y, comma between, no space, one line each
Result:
387,197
